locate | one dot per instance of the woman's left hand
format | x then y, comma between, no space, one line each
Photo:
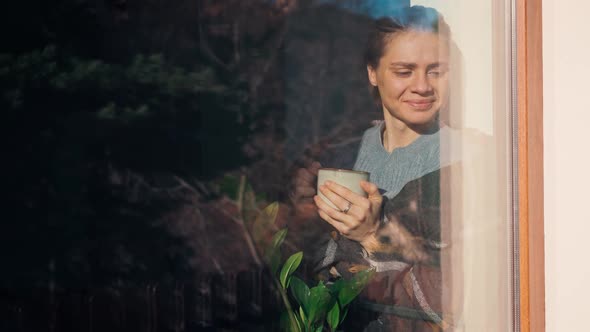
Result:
358,218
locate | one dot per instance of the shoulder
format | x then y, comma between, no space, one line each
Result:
370,139
374,131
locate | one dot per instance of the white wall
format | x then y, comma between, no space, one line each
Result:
566,98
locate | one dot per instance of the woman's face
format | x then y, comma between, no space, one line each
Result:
412,77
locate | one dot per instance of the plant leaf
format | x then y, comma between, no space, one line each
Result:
288,325
343,314
279,238
290,266
320,301
264,225
353,287
302,315
284,321
300,292
272,255
333,316
274,261
337,286
299,323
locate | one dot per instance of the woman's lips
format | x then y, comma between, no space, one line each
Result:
420,104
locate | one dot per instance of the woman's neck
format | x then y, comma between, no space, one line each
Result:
397,134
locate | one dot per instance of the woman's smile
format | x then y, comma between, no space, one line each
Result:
421,104
412,77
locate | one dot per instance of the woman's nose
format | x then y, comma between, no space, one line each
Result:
421,84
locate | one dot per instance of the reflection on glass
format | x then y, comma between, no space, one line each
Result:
435,223
164,163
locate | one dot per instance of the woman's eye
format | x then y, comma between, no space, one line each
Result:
434,73
403,73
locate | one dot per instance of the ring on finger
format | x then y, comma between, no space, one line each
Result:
347,208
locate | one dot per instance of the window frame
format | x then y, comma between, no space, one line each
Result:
529,126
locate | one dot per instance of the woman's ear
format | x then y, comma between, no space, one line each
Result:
372,74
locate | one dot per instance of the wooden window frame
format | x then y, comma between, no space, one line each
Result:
530,164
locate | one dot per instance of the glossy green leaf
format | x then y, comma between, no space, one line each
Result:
299,324
336,286
288,325
343,313
302,315
349,289
300,292
274,260
290,266
272,255
279,238
320,301
284,321
333,317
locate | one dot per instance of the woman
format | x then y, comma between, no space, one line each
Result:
396,228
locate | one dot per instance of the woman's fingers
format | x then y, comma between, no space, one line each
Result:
361,220
352,217
371,189
310,173
347,194
340,227
340,202
314,168
336,215
304,184
341,222
304,192
304,176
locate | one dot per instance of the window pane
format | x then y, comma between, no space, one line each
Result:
168,163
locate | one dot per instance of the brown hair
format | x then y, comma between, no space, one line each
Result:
418,18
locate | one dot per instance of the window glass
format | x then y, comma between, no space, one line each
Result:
261,165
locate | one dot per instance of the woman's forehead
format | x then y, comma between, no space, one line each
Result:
415,47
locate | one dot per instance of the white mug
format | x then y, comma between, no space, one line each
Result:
344,177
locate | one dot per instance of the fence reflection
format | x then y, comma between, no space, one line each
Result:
212,302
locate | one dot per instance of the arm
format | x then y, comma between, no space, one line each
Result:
405,249
366,223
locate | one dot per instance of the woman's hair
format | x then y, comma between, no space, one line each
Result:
408,18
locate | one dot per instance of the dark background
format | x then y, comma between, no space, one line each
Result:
128,128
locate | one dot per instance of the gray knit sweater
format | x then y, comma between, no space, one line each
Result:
391,171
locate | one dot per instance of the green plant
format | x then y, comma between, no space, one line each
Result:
306,309
314,308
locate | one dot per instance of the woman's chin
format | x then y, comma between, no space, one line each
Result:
423,122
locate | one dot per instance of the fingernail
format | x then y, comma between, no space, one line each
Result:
328,183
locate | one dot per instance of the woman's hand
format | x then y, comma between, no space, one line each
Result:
304,189
358,218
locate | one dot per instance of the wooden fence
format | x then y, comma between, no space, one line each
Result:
212,302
